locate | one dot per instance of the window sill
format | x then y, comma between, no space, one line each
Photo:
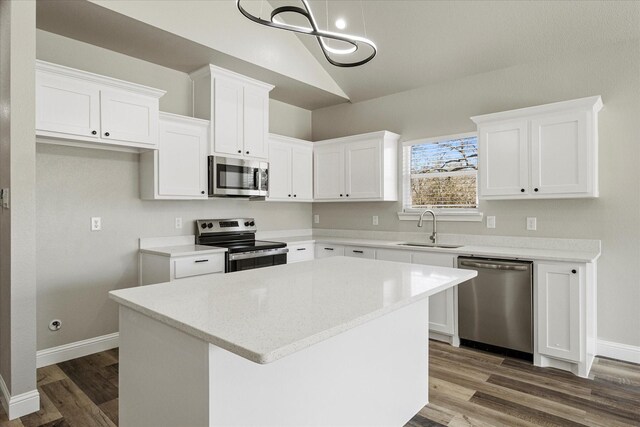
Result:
443,216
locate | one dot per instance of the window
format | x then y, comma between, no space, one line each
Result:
441,174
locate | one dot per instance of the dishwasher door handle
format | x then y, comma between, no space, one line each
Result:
494,266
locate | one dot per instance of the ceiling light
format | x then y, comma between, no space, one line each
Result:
355,42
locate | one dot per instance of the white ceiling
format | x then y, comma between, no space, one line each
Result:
419,42
424,42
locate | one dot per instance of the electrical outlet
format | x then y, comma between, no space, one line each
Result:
96,223
491,222
178,222
532,223
375,220
316,219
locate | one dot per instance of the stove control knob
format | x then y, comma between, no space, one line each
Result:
252,223
246,224
203,225
210,225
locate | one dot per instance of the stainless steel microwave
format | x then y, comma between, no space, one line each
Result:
238,177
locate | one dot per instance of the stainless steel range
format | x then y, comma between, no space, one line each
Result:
238,235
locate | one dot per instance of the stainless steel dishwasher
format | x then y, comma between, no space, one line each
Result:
495,309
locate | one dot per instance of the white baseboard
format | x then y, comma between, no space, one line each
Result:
614,350
20,404
51,356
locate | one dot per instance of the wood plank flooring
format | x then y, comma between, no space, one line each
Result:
467,388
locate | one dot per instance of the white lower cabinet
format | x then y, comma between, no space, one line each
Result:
443,312
300,252
391,255
160,268
565,311
178,168
326,250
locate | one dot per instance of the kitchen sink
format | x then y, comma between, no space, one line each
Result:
428,245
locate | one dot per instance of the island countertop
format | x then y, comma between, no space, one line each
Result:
268,313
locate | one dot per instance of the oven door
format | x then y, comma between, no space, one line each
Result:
237,177
251,260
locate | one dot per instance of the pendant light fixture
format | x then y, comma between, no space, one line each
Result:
352,43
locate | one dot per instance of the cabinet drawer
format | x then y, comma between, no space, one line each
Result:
328,250
358,252
196,265
299,253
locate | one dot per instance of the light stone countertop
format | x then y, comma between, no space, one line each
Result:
183,250
476,250
266,314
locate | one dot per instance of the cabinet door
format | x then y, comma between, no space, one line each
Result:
558,310
300,252
442,310
66,105
503,159
328,250
182,160
255,122
302,172
559,154
328,172
227,116
363,170
279,171
129,117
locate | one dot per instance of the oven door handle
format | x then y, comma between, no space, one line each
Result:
249,255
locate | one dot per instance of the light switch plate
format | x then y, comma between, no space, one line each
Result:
491,222
375,220
316,219
178,222
532,223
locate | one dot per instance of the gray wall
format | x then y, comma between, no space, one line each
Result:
17,172
76,267
614,73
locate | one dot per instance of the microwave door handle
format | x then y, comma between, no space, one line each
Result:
257,178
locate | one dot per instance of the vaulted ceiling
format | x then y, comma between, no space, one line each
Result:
419,42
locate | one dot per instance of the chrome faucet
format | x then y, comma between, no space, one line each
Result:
434,234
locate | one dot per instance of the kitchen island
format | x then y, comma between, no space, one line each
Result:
337,341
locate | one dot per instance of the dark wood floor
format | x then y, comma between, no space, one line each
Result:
468,388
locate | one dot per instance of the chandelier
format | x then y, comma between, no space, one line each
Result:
351,43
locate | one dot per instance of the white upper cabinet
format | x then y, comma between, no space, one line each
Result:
74,106
548,151
238,108
178,168
358,168
290,169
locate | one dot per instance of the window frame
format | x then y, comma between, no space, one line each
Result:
447,214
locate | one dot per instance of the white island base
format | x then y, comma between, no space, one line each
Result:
375,374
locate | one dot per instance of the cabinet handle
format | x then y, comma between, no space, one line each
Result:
341,195
522,190
295,195
347,195
328,249
106,134
202,260
247,152
535,189
93,132
289,195
574,271
302,249
358,252
202,192
239,151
